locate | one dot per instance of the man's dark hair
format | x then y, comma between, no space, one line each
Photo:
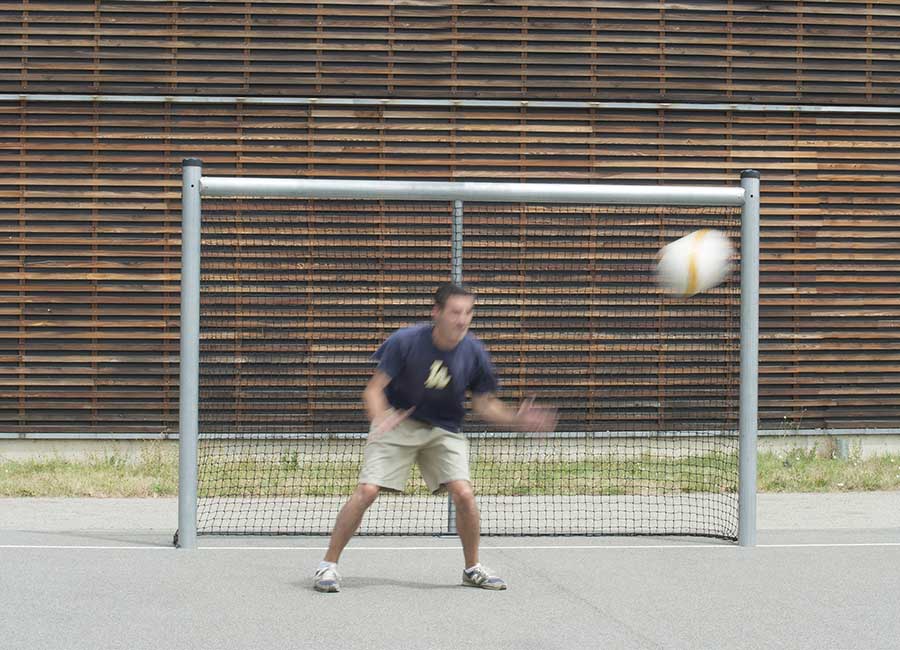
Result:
449,289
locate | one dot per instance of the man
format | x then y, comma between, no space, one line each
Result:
415,402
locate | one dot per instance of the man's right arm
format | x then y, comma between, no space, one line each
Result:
379,410
374,396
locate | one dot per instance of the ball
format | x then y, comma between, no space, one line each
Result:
696,262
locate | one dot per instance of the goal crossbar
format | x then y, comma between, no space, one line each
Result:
310,188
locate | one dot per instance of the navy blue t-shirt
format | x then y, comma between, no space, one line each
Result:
435,381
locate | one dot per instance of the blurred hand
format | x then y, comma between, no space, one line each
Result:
539,419
387,422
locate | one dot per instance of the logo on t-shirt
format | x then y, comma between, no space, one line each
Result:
438,377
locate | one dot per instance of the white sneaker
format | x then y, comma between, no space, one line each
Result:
483,578
327,580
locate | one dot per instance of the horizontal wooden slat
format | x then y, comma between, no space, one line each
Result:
573,49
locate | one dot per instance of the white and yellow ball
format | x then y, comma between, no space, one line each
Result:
696,262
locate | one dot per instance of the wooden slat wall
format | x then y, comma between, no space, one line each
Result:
795,52
91,212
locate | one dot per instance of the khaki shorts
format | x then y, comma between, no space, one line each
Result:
442,456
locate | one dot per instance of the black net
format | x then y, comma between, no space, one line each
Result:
297,294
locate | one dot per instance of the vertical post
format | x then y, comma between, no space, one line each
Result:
749,358
455,277
456,245
189,360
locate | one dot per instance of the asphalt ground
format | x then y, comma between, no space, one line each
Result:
92,573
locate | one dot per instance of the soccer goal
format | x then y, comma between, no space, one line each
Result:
289,285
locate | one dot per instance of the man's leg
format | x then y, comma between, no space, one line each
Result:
349,519
468,525
468,519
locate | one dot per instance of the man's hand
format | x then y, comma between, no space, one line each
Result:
540,419
387,421
528,417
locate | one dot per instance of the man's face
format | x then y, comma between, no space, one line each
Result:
452,322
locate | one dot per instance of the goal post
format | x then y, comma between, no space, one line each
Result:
565,457
189,360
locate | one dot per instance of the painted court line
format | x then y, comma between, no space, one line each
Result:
543,547
825,545
449,548
66,547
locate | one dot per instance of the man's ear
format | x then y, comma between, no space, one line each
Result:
435,310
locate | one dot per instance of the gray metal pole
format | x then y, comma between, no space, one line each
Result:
456,244
189,365
320,188
455,277
749,357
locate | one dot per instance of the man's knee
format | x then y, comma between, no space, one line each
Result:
462,494
367,493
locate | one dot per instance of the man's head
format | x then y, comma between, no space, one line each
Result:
452,314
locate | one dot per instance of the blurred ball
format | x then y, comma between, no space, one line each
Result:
696,262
